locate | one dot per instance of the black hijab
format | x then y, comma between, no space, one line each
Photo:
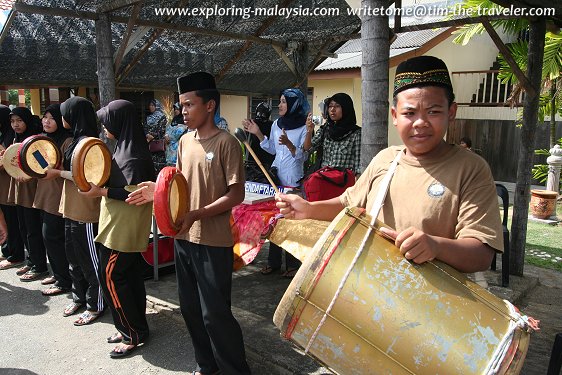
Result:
80,114
132,162
6,132
32,126
338,130
61,134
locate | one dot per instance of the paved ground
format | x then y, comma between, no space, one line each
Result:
36,339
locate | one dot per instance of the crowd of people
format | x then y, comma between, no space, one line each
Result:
440,201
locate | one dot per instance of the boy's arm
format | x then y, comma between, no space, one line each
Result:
463,254
233,197
295,207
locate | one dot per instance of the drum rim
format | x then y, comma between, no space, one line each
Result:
23,150
162,210
79,157
15,146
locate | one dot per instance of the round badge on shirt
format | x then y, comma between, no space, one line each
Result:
209,156
436,190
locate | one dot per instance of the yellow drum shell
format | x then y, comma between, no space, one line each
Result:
91,162
393,316
11,164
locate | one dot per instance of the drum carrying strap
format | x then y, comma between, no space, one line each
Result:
381,195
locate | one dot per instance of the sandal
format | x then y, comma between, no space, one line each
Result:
53,291
115,338
48,280
6,264
23,270
72,308
87,317
268,270
122,351
32,275
290,273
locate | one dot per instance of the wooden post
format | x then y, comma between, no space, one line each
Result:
106,74
537,30
374,75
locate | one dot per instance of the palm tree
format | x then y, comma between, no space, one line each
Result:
551,67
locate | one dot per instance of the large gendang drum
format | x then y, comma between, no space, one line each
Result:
392,316
91,162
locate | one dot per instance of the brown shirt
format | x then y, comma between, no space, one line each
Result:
48,194
22,193
4,186
77,207
210,167
453,196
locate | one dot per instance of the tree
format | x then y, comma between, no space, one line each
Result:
533,62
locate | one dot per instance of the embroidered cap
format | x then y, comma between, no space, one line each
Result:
421,71
196,81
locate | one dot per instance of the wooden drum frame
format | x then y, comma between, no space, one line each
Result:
11,164
91,162
37,154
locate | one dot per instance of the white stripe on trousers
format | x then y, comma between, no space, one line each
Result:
95,261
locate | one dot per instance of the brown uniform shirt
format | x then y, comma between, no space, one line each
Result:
453,196
210,167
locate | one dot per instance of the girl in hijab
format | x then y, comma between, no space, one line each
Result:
47,199
124,229
340,137
23,193
155,129
81,217
12,250
286,143
174,131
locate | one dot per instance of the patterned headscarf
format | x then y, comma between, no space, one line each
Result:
297,110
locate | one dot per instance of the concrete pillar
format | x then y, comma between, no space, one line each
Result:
35,102
4,97
21,98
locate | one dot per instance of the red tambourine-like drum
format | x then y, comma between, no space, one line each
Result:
91,162
171,201
38,153
11,164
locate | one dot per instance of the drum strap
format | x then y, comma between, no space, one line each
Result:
383,188
381,195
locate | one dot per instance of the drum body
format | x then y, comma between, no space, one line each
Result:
37,154
11,163
91,162
171,201
393,316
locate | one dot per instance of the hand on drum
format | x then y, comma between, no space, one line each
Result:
51,174
415,245
188,220
292,206
144,194
94,192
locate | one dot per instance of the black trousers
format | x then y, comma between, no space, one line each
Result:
275,258
83,263
30,227
122,282
204,276
13,249
53,238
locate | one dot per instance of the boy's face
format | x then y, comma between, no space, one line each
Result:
195,112
422,116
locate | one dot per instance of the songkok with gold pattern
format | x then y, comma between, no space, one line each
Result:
421,71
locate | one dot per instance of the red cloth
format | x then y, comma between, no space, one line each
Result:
248,223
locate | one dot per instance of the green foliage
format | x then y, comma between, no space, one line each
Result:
540,171
13,97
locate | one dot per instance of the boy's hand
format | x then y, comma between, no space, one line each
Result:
144,194
292,206
414,244
189,219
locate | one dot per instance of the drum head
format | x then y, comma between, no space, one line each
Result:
11,164
91,162
37,154
170,200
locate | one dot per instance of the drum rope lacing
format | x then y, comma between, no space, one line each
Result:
381,195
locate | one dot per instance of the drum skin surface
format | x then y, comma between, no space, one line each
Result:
91,162
37,154
11,163
170,200
393,316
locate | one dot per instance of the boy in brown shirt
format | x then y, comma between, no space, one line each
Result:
211,161
441,200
